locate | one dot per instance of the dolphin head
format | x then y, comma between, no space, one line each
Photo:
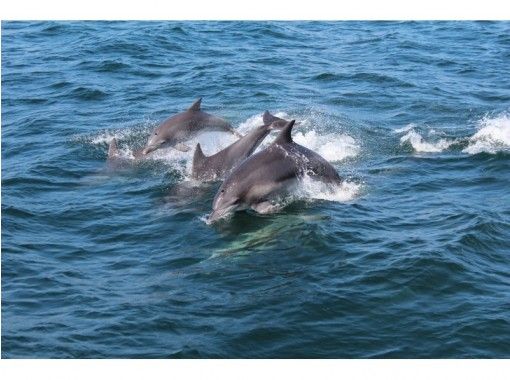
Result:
156,141
226,201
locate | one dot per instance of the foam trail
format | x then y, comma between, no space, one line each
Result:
492,136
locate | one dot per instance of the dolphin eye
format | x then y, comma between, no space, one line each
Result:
155,133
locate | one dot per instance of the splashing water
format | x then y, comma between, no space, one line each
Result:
493,136
334,147
312,189
418,142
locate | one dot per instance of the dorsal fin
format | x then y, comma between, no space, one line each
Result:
113,151
267,118
285,135
198,157
196,106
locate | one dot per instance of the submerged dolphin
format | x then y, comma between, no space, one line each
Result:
179,128
269,174
115,160
115,156
220,164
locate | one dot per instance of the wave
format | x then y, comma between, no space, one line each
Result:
493,135
85,93
418,142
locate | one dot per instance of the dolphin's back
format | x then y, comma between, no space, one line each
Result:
187,124
221,163
276,168
315,165
265,173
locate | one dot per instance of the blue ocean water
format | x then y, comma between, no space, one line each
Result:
411,258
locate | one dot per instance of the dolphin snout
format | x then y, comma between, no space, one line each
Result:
149,149
218,214
213,217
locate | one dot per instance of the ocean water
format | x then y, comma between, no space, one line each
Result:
409,258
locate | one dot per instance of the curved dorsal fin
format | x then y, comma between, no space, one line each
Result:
196,106
198,157
285,135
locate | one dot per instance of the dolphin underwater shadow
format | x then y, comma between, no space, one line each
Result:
269,174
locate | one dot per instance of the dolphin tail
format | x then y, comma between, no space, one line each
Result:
273,122
219,124
268,118
113,151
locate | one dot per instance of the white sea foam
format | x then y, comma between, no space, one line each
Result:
106,137
418,142
492,136
407,128
332,146
312,189
420,145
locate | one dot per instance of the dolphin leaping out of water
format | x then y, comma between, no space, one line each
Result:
269,174
179,128
220,164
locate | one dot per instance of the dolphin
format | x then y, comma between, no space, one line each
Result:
268,174
114,154
113,150
179,128
220,164
115,160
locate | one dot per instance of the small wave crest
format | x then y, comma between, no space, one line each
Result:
420,145
492,136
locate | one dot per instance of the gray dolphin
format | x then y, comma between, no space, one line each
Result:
115,160
220,164
113,151
115,156
179,128
269,174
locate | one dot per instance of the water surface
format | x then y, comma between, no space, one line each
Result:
410,258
